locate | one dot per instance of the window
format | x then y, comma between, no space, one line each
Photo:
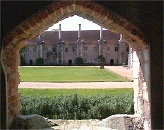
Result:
66,49
34,49
95,60
47,49
116,49
27,49
53,49
108,48
73,49
95,48
85,48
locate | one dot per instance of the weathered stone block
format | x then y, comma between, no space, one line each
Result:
29,122
122,122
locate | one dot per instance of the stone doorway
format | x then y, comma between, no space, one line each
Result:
111,62
70,62
31,62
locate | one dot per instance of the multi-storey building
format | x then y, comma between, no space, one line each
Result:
63,47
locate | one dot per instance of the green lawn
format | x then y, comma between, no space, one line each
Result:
80,92
68,74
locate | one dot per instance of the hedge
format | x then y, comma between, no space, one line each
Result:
77,107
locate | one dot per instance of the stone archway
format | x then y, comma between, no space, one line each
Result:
55,12
70,62
111,62
31,62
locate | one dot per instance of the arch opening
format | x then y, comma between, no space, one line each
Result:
48,16
31,62
111,62
69,62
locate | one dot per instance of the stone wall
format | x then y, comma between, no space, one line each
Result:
91,55
141,90
10,66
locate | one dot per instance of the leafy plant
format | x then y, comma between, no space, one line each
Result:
77,107
39,61
79,61
101,61
22,61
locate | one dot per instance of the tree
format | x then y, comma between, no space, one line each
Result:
22,61
101,61
22,50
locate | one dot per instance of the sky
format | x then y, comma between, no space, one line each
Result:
72,23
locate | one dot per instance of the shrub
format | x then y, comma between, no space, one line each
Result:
22,61
79,61
77,107
101,59
39,61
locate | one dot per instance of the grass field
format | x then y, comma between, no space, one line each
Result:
80,92
67,74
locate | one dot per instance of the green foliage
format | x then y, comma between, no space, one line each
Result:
77,107
22,61
68,74
80,92
39,61
79,61
22,50
101,59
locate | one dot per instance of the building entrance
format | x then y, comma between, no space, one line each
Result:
111,62
31,62
70,62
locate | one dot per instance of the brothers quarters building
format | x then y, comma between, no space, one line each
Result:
63,47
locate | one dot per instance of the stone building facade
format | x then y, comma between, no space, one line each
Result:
63,47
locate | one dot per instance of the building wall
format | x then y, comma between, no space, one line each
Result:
114,53
30,53
69,53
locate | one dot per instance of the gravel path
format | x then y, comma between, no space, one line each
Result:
124,71
87,85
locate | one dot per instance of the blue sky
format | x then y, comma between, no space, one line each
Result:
72,23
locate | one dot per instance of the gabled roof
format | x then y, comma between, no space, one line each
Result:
71,37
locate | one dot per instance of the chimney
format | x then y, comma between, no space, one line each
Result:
59,31
101,33
79,32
